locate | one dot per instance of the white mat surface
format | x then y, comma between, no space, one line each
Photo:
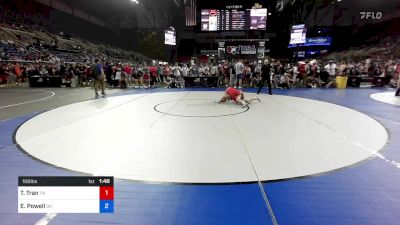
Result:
387,97
281,137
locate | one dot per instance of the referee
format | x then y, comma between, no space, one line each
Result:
265,76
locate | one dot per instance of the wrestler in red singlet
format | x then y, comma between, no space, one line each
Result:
233,93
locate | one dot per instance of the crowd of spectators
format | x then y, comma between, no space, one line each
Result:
238,73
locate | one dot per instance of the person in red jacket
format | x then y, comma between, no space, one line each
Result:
237,96
153,75
166,71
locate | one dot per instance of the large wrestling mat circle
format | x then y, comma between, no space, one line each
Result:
185,137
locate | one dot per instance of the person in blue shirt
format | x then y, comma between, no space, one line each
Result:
99,78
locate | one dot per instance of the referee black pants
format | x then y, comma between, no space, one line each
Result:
268,80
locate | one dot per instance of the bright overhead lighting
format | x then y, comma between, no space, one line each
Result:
135,1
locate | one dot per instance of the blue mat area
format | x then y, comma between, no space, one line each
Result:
150,204
8,127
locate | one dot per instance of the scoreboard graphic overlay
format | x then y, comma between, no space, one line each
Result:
65,194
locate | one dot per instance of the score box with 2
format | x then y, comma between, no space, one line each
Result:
106,199
65,195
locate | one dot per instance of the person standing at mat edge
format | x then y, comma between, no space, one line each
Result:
99,78
239,69
398,87
265,77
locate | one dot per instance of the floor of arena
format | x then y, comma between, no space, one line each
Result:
300,156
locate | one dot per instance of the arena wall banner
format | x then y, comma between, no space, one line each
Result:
314,41
241,50
248,49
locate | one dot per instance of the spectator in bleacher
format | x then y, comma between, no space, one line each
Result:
398,79
214,70
246,75
50,70
222,71
87,75
117,78
179,80
185,70
153,75
72,75
145,78
127,69
18,72
314,69
206,70
231,74
136,76
11,77
108,72
7,74
301,71
176,70
32,71
123,83
397,70
193,70
80,70
279,70
160,72
285,81
331,68
166,71
3,75
200,70
341,70
257,74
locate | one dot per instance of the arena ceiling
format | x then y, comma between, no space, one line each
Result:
127,13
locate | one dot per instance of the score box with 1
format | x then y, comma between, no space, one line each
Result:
65,195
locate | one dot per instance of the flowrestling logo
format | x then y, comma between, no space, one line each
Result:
371,15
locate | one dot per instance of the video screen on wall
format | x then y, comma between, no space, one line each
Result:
298,35
170,37
258,19
233,19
